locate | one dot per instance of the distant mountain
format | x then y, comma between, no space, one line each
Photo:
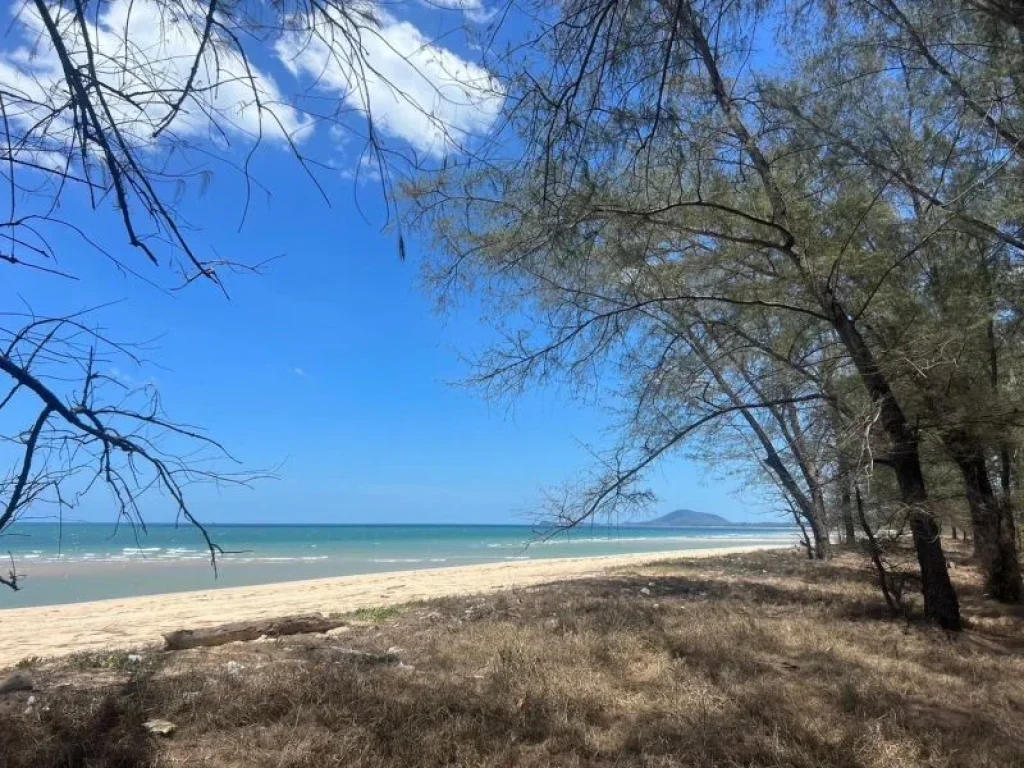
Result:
688,517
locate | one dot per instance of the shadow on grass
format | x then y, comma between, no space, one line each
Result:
81,728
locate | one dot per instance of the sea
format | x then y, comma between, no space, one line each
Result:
76,562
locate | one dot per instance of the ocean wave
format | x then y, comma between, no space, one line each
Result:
162,557
583,540
436,551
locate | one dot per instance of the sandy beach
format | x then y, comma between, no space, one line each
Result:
140,621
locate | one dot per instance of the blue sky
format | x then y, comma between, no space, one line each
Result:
333,368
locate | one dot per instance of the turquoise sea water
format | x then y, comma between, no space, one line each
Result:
76,562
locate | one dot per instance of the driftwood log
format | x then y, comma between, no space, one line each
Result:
248,630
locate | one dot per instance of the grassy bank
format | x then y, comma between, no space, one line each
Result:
749,660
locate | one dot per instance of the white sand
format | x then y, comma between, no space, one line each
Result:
139,621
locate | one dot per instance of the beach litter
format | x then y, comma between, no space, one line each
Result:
160,727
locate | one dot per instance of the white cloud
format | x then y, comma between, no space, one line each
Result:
414,89
120,376
366,171
410,87
143,52
298,372
481,15
455,5
475,10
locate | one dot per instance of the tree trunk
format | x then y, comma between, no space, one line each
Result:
812,508
940,600
845,502
995,535
822,542
875,553
805,539
820,523
249,630
846,508
1005,467
819,533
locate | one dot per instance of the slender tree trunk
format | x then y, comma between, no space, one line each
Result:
819,533
940,601
792,434
995,535
875,553
811,507
805,539
846,509
846,502
821,521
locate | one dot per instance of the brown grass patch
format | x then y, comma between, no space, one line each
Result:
748,660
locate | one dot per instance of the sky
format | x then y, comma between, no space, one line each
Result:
333,370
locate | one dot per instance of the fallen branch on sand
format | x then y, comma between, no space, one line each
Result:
248,630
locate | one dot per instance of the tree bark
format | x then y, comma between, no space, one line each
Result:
995,535
805,540
846,502
249,630
819,533
846,510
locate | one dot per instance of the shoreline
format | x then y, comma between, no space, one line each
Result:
47,583
122,623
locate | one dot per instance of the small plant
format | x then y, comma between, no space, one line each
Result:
118,660
29,662
373,614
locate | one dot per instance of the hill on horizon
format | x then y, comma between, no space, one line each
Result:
688,517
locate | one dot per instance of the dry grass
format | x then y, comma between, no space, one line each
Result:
753,660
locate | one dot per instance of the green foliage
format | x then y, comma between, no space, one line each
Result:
373,614
115,660
804,262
